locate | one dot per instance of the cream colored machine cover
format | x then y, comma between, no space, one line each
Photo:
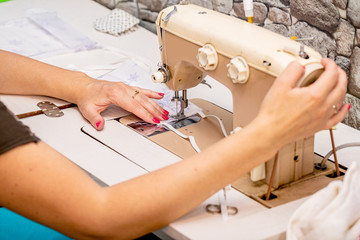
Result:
195,42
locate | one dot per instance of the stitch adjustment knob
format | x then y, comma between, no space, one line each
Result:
207,57
238,70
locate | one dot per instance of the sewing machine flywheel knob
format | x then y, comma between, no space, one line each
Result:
161,76
238,70
158,77
207,57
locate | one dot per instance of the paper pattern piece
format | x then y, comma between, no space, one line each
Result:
40,35
62,31
134,75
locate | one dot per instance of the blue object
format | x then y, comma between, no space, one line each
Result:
15,226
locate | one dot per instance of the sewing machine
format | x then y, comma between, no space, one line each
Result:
196,42
253,221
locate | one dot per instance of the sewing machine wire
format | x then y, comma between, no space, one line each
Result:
222,193
324,160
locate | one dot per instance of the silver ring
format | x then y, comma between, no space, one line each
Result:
335,109
135,93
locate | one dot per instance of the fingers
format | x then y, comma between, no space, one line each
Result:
324,98
150,93
339,116
291,75
328,79
147,109
144,114
101,94
93,116
335,97
148,103
139,102
305,110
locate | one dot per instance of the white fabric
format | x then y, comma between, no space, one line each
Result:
116,23
331,213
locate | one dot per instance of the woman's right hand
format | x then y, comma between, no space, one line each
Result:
293,113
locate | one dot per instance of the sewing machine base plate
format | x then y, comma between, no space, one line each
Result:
304,187
207,132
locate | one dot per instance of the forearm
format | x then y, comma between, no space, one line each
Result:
173,191
61,196
22,75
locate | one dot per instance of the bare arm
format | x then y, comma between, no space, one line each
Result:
60,195
25,76
43,185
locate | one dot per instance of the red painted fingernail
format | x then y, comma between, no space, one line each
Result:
98,124
161,94
303,67
165,112
165,117
155,120
349,106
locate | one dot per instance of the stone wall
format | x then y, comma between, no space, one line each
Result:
334,24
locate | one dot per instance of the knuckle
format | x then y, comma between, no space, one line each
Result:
113,91
86,108
343,88
316,96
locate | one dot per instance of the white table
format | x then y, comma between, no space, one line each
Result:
253,221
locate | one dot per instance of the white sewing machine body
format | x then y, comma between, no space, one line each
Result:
245,58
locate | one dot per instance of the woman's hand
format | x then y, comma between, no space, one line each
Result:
26,76
293,113
98,95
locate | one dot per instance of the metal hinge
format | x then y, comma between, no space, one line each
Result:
50,109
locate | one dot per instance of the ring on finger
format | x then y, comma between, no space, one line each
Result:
335,108
135,93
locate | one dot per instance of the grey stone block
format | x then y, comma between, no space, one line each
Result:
320,13
276,3
340,3
322,42
353,12
223,6
277,15
354,79
278,28
352,119
344,63
344,37
154,5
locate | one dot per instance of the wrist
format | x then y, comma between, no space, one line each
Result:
269,139
77,87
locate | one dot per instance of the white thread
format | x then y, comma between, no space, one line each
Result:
191,138
222,192
220,123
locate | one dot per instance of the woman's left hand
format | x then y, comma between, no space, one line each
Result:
99,94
